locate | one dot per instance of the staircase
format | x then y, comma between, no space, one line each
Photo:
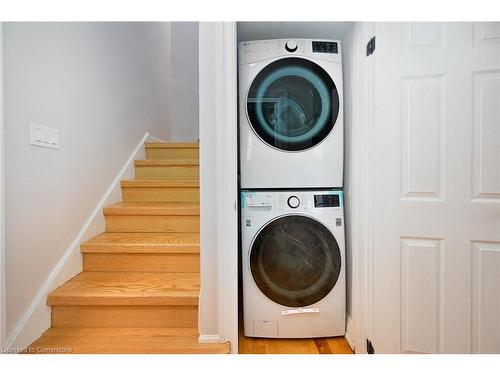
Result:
138,292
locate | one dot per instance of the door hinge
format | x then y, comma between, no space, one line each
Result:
369,347
370,47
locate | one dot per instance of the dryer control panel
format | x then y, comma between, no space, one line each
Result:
325,47
258,50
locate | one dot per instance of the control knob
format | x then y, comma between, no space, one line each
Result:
291,46
293,202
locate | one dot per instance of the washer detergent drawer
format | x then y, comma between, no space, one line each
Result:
258,200
265,328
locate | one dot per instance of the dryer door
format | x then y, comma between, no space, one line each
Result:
295,261
292,104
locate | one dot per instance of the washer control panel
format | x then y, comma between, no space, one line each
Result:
296,201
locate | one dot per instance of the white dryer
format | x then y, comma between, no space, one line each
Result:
293,261
291,114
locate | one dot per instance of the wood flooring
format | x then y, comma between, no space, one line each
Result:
330,345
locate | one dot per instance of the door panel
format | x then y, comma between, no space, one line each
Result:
486,303
486,146
421,130
436,195
420,261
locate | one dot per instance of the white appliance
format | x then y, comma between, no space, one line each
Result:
293,260
291,114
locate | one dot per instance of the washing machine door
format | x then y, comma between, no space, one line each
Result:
292,104
295,261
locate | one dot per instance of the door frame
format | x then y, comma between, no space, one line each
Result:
218,183
3,327
367,172
227,193
359,194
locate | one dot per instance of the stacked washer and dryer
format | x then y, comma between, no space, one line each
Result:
291,170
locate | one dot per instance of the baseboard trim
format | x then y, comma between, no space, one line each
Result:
36,318
350,342
347,335
209,339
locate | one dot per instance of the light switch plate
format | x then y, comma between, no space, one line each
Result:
44,136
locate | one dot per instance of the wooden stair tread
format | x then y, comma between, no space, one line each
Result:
128,288
157,243
167,162
171,151
177,208
159,183
172,145
110,332
126,340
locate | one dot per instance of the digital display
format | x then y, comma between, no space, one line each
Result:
325,47
327,200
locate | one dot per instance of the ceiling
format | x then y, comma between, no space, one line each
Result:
276,30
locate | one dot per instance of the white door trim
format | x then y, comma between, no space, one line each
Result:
218,183
368,171
227,193
2,206
360,189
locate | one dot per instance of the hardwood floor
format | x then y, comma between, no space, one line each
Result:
330,345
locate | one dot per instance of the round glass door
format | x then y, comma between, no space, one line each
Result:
292,104
295,261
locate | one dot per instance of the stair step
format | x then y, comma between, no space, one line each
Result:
105,262
131,316
160,183
144,252
153,217
137,191
172,145
172,150
166,162
128,288
126,340
175,209
143,243
167,169
113,332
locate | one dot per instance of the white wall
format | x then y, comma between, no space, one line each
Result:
103,85
184,81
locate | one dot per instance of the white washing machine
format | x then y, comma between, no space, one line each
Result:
291,114
293,261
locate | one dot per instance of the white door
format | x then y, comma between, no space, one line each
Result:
435,249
